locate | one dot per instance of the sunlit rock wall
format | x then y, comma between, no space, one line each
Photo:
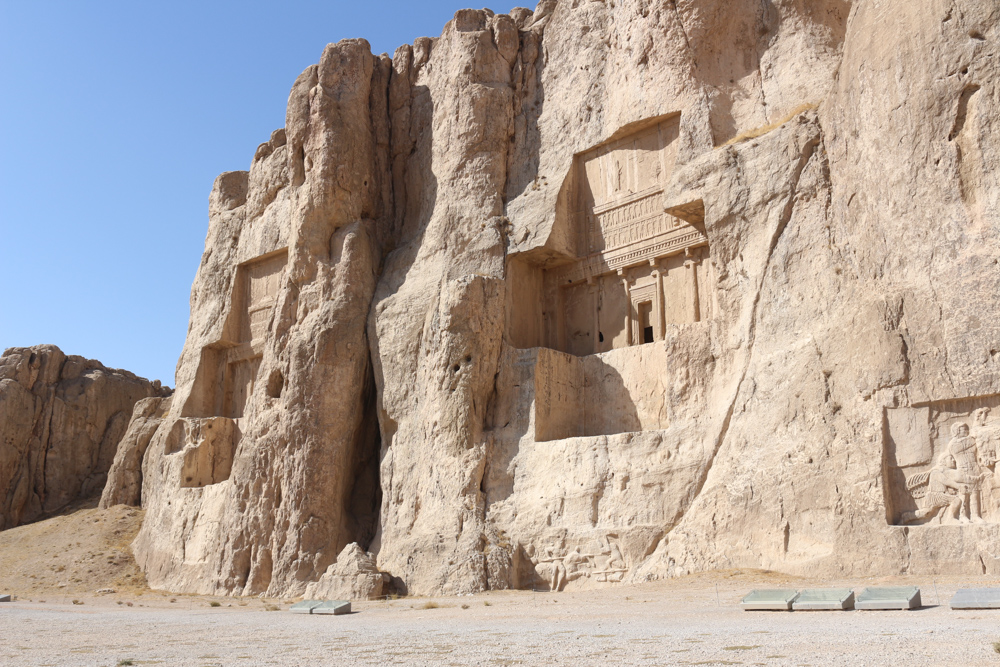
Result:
596,293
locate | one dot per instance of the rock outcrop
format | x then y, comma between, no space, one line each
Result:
353,577
601,292
61,418
124,485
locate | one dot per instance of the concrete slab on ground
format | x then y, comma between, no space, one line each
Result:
335,607
976,598
769,599
4,597
305,607
821,599
891,597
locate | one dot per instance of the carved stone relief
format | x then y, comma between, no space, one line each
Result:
940,462
227,374
260,279
638,267
553,565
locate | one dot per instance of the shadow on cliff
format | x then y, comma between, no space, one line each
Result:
524,156
609,406
604,406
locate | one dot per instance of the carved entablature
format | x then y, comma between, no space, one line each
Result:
940,462
620,200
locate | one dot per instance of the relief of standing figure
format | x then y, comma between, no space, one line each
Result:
963,447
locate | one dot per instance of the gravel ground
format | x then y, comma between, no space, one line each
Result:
668,623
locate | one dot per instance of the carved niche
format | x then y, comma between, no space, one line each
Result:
637,267
228,370
940,462
257,284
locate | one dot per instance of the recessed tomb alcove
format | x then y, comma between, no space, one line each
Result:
228,370
627,268
622,285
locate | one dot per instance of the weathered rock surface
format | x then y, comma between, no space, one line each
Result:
124,485
601,292
61,418
353,577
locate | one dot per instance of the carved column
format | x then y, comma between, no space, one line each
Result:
595,295
659,307
628,312
691,264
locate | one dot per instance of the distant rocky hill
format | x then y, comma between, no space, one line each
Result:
61,418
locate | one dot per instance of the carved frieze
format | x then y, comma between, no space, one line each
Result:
940,462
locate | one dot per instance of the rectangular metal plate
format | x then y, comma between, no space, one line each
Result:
976,598
335,607
823,599
891,597
769,599
305,607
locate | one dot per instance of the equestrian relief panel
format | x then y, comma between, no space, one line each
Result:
940,462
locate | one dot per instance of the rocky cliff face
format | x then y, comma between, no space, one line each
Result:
61,418
601,292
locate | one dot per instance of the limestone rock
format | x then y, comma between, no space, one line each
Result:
124,485
599,293
265,465
353,577
61,418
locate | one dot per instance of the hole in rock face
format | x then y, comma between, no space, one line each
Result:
275,383
468,358
456,368
600,336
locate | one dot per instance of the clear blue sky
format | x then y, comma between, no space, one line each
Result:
117,117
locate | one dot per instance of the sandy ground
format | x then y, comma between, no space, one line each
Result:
664,623
80,551
58,618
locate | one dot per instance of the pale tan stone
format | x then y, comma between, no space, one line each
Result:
61,419
353,577
599,293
